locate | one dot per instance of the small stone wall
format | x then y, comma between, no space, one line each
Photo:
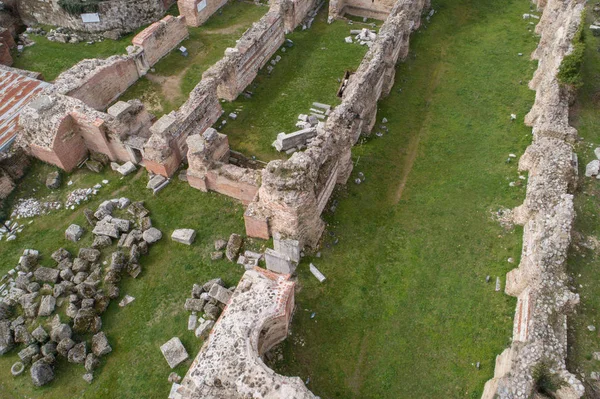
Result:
540,283
293,193
120,16
196,12
160,38
229,365
241,64
376,9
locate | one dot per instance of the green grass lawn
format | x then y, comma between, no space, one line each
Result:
405,311
308,72
168,86
135,368
584,262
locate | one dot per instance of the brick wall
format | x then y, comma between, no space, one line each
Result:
193,17
5,57
161,37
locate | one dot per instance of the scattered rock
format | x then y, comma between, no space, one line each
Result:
152,235
184,236
100,346
53,180
41,373
234,245
174,352
74,232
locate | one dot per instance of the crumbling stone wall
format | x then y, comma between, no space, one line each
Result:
226,79
196,12
161,37
209,168
293,11
99,82
60,130
294,192
121,16
241,64
229,365
377,9
540,281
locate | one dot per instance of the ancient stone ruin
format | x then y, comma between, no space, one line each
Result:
540,281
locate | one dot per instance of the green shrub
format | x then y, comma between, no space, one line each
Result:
569,72
546,382
79,6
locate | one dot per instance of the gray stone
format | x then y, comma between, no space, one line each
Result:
64,346
211,311
91,362
219,293
41,373
216,255
60,332
174,352
194,305
22,336
287,247
89,254
101,242
156,181
204,328
53,180
152,235
60,254
77,354
49,349
315,272
47,306
106,228
6,337
279,262
40,334
220,245
192,321
46,275
28,353
127,168
184,236
234,245
17,369
74,233
100,346
592,168
208,285
88,377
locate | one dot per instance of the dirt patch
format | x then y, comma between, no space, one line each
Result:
170,85
227,30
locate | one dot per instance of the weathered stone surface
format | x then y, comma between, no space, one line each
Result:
106,228
60,332
77,354
74,233
174,352
220,294
101,242
152,235
91,362
87,321
194,305
64,346
6,337
184,236
40,334
60,255
220,245
89,254
127,168
204,328
278,262
17,369
46,275
260,297
53,180
47,306
234,245
41,373
100,346
28,353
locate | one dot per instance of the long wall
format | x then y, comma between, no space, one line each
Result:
540,283
196,12
114,15
377,9
294,192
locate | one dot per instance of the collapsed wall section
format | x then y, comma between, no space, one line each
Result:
121,16
229,365
294,192
60,130
540,282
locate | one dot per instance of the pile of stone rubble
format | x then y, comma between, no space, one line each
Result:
364,37
81,282
308,124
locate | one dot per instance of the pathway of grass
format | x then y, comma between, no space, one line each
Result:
308,72
135,369
168,86
584,258
406,311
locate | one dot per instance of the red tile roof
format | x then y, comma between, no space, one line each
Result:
16,91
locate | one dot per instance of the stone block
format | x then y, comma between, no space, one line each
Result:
204,328
279,262
46,275
194,305
184,236
219,293
74,233
234,245
127,168
174,352
290,248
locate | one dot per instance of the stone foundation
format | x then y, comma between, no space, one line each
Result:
540,282
294,193
229,365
